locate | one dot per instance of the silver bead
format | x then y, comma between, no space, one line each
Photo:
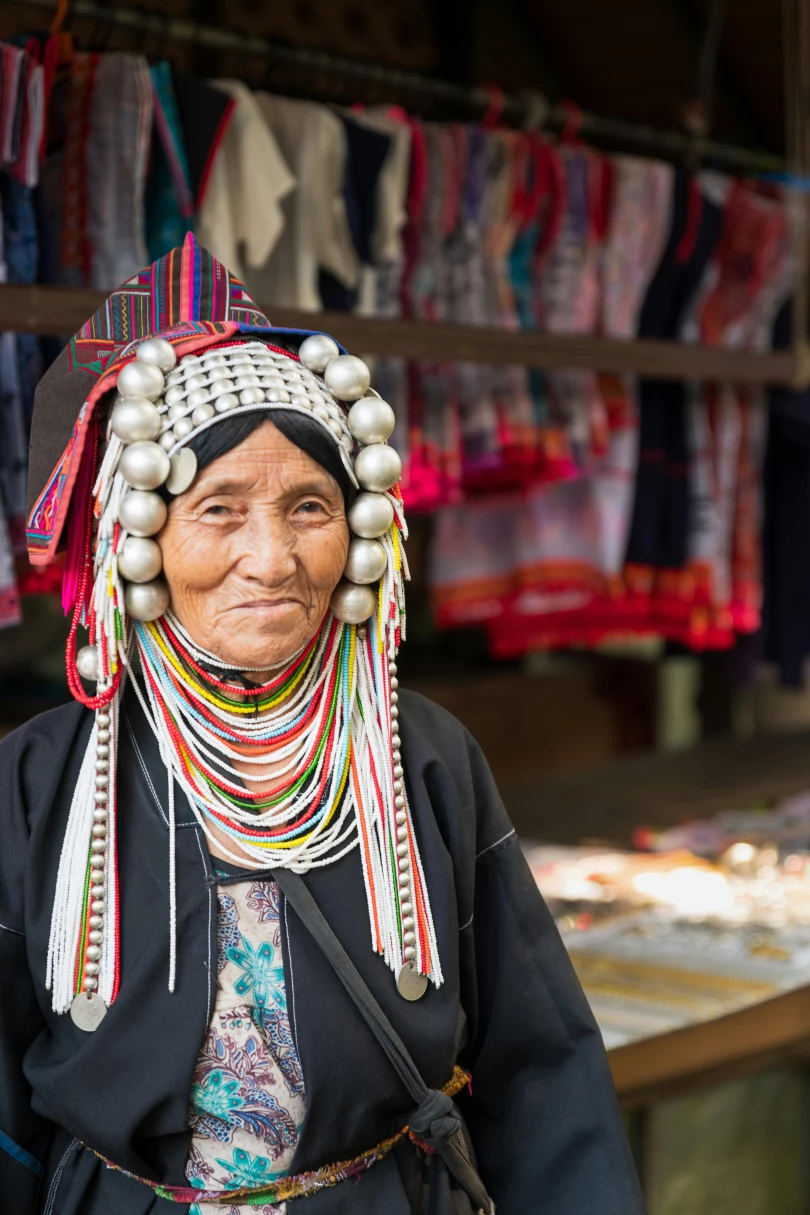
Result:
102,780
404,863
97,861
227,401
409,953
87,662
182,429
178,411
90,982
102,719
300,400
406,909
371,420
158,351
335,412
222,387
370,515
134,419
251,396
396,755
396,743
100,814
93,953
394,697
365,561
91,969
352,604
394,683
98,906
98,891
102,738
183,470
95,936
402,818
140,379
146,600
392,666
404,881
174,396
408,923
100,797
409,938
102,765
397,786
316,351
102,750
378,467
197,384
320,411
98,845
144,465
247,380
202,413
198,399
96,921
403,849
402,833
394,712
399,802
99,831
167,440
140,559
347,377
399,772
335,427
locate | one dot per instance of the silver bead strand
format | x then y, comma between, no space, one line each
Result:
404,887
98,858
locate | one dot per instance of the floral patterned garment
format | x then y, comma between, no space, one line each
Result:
247,1097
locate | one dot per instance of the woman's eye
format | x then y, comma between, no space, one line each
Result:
217,510
311,508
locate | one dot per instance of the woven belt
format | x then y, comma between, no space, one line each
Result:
302,1184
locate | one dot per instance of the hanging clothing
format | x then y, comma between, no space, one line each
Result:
241,217
312,140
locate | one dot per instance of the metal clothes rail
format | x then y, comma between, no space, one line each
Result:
411,87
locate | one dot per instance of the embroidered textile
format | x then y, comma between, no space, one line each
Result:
247,1099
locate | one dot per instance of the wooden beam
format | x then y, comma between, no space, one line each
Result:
58,310
655,1068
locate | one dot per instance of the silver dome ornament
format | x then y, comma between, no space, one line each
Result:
202,413
144,465
141,513
146,600
158,351
175,395
220,387
134,419
228,400
183,428
178,410
378,467
139,379
87,663
140,560
199,396
183,471
365,562
167,440
347,377
371,420
316,351
352,604
371,515
250,395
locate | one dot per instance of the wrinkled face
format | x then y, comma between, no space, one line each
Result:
253,550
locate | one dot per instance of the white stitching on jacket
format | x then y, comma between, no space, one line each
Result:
489,847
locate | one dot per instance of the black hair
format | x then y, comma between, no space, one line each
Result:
304,432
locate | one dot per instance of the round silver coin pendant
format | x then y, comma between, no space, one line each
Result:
88,1010
411,985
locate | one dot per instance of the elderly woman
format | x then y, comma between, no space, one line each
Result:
268,940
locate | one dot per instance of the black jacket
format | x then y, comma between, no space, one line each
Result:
542,1116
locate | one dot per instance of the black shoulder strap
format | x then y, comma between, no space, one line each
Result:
435,1120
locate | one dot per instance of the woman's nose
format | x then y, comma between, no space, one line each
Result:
268,552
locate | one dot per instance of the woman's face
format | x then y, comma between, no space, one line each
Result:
253,550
